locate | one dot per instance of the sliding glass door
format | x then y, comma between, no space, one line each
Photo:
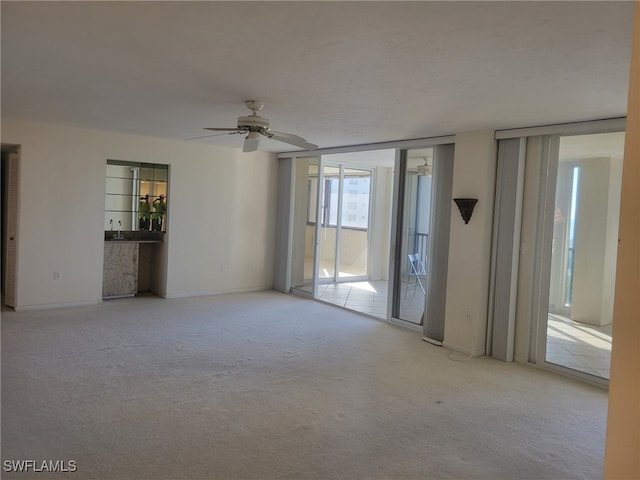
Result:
341,229
345,207
332,205
577,327
414,224
353,241
344,223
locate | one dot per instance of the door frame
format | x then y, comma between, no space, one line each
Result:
11,223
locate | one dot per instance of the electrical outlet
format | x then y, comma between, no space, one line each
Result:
252,267
224,267
57,275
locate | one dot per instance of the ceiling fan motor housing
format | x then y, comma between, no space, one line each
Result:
253,123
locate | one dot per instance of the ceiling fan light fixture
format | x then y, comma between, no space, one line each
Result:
251,142
424,170
253,121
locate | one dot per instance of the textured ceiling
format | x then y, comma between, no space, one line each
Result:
336,73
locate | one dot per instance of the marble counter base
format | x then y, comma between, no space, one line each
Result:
120,274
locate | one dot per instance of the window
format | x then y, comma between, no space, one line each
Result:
355,210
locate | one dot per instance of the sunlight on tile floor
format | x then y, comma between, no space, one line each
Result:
582,347
370,297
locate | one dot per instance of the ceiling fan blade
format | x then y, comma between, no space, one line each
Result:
213,135
251,142
290,139
236,129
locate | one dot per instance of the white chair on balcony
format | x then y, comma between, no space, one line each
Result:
417,270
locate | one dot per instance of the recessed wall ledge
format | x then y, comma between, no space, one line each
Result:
137,236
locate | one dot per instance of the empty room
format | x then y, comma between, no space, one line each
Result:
320,240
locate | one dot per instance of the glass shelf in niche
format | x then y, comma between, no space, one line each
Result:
136,196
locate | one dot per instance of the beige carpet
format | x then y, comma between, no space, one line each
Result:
270,386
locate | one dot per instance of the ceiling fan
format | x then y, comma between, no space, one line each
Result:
424,169
255,125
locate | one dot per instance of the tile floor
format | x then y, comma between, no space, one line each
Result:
365,297
370,297
579,346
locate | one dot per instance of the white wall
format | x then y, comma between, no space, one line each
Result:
596,240
468,275
221,209
381,224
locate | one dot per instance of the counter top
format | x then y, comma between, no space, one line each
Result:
135,236
111,240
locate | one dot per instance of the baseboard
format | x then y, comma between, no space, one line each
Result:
403,324
458,348
48,306
204,293
432,341
208,293
519,359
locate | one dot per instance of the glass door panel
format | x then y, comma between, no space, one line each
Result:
303,264
353,238
584,252
409,303
329,214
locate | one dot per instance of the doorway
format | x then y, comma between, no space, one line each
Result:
341,229
10,183
343,208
